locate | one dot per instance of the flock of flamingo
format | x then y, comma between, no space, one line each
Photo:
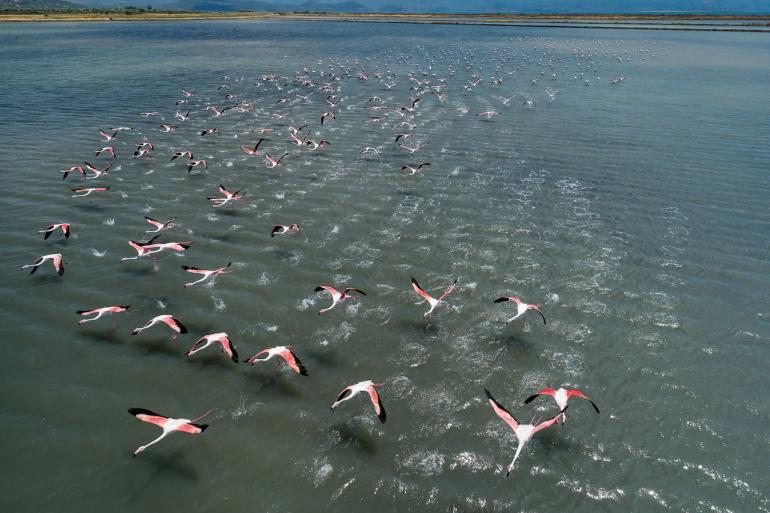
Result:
321,86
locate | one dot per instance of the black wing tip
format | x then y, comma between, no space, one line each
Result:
594,405
202,427
531,398
142,411
501,299
318,289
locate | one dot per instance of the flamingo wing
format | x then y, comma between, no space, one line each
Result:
148,416
545,391
449,290
379,409
578,393
501,412
550,422
416,286
192,429
293,361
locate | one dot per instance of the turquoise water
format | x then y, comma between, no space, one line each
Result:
636,214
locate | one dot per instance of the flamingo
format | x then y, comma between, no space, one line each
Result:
65,228
411,149
141,248
521,308
149,114
284,352
73,169
108,149
413,169
208,131
317,144
108,137
217,112
282,228
327,115
430,299
87,190
55,258
159,226
99,312
207,340
206,273
524,432
561,396
364,386
178,154
169,320
227,197
337,296
168,128
195,163
168,425
96,171
270,162
253,151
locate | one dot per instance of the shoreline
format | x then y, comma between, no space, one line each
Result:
750,23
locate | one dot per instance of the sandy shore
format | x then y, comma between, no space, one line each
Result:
650,22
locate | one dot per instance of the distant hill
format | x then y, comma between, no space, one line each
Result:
38,5
437,6
260,5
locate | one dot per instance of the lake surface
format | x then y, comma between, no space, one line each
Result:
635,213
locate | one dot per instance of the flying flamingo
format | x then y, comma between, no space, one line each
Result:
561,396
430,299
207,340
524,432
363,386
87,190
206,273
253,151
160,226
96,171
227,197
169,320
108,149
325,115
413,169
270,162
65,228
55,258
284,352
521,307
168,425
411,149
73,169
337,296
108,137
282,228
178,154
99,312
194,163
317,144
141,248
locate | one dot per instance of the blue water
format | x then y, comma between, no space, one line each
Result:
636,214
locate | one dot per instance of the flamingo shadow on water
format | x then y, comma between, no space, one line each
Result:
355,433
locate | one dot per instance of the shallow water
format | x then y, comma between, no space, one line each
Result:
635,213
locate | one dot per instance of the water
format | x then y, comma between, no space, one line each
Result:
635,213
